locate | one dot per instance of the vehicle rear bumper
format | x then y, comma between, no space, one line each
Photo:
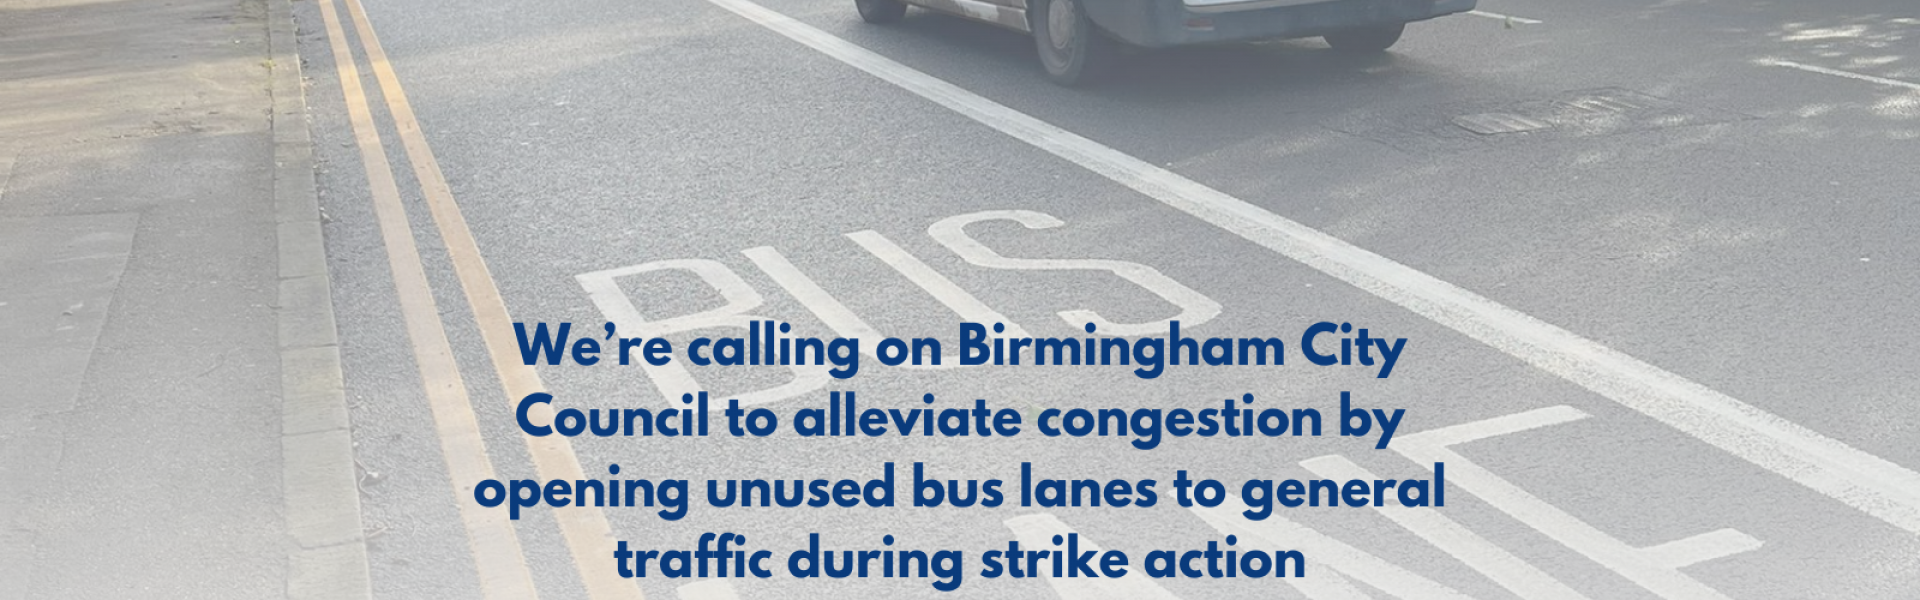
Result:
1160,23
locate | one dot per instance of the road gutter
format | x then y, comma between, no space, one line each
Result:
328,558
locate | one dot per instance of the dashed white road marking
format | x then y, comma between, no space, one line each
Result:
1871,484
1839,73
1510,18
1524,580
1655,568
1037,531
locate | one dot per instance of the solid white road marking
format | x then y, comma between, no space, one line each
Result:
1524,580
963,303
1037,531
1656,568
1495,15
1334,555
1866,482
1839,73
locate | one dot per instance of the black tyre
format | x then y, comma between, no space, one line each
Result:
1072,49
1371,39
880,11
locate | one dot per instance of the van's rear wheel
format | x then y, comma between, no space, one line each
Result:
1369,39
880,11
1072,49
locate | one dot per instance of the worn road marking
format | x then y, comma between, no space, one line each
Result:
1873,485
496,549
1657,568
1839,73
1495,15
589,537
1519,577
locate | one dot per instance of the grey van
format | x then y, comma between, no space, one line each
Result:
1077,38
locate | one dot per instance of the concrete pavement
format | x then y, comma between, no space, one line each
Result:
171,425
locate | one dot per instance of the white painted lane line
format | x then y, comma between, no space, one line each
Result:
1839,73
1508,18
1524,580
1278,534
1037,531
1866,482
963,303
1656,568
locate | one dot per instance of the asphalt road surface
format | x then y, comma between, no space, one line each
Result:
1663,339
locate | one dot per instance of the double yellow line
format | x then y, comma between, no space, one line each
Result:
502,565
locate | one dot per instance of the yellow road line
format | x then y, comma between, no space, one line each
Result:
490,535
589,537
